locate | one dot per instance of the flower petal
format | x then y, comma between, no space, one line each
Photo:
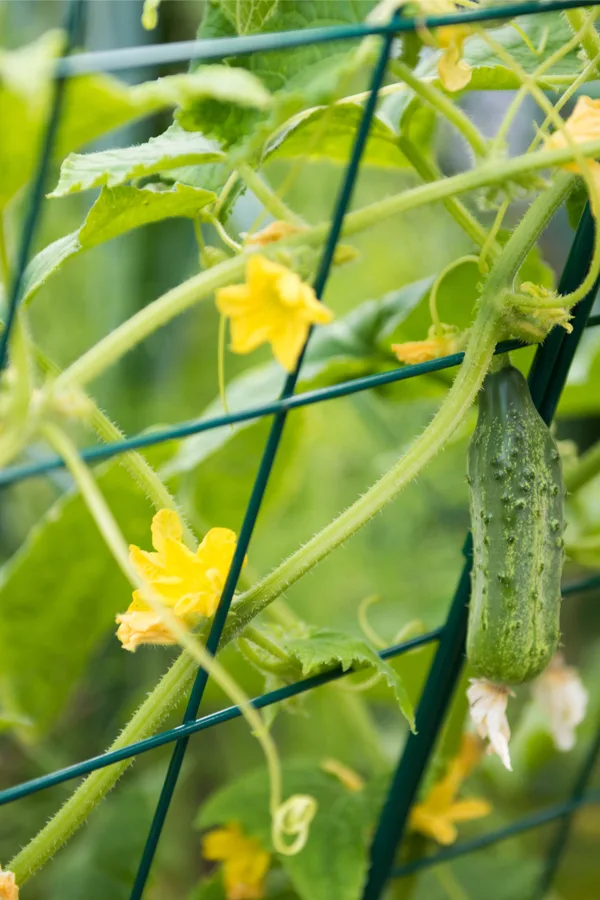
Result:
487,705
165,524
136,628
473,808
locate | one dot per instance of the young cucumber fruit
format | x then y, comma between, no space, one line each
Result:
517,519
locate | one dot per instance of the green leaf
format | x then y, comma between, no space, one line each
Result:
293,68
329,133
550,31
93,105
248,16
324,649
109,168
334,861
59,595
225,103
300,77
116,211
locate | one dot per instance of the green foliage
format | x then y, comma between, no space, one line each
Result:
116,211
329,132
63,588
299,77
356,345
92,106
322,649
109,168
547,33
333,862
248,16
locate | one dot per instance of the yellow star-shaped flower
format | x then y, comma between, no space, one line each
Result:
245,862
273,306
189,583
437,816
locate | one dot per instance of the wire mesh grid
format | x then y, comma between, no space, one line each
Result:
546,379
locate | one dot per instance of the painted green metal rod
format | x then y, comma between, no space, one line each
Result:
536,820
547,377
219,48
13,474
9,795
265,468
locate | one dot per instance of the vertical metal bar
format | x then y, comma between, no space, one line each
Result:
547,378
260,484
73,20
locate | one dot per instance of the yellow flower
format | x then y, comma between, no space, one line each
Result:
437,816
454,72
189,583
435,346
8,886
275,231
274,306
583,125
245,862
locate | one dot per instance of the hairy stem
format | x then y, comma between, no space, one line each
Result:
134,463
149,319
269,199
581,24
438,100
484,335
459,212
478,355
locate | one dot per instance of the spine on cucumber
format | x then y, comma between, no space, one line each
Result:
517,519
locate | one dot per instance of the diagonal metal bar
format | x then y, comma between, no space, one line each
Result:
92,454
561,838
73,20
547,377
9,795
262,478
527,823
96,453
218,48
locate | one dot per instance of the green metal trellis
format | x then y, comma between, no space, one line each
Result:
547,378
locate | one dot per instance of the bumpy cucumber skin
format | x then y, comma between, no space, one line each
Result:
517,519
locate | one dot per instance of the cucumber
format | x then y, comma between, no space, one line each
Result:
517,519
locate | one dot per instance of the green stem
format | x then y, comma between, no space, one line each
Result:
44,844
269,199
484,334
583,165
502,132
165,695
144,323
266,643
580,24
459,212
133,462
446,107
75,811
